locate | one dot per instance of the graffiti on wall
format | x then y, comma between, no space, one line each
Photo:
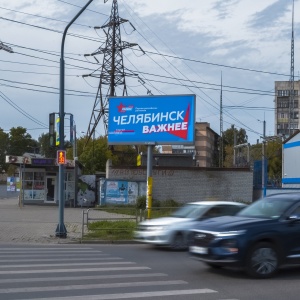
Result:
86,195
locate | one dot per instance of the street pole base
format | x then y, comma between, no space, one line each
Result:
61,231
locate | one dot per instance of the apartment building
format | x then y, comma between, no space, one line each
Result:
285,106
205,150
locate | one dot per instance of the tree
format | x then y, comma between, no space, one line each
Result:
228,143
20,141
228,160
93,155
44,144
274,157
273,154
228,136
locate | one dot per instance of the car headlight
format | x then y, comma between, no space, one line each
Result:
156,228
230,233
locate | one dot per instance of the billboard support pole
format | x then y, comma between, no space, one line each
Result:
149,179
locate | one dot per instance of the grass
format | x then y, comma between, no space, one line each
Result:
111,230
122,229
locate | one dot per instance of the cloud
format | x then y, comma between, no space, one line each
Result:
224,8
270,15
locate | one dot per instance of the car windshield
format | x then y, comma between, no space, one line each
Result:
266,208
190,211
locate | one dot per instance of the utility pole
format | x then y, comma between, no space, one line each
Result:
112,71
263,161
221,127
292,79
234,144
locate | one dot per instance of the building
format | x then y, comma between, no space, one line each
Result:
291,162
283,125
205,151
39,178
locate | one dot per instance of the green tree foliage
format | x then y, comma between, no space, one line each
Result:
228,159
92,155
273,153
228,136
125,155
228,143
274,156
20,141
45,149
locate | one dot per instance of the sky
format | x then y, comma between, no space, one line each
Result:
190,47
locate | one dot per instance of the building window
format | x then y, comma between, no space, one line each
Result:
283,93
33,185
69,186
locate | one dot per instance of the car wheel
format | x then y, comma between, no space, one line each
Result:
178,242
262,261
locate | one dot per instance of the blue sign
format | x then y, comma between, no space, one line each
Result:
152,120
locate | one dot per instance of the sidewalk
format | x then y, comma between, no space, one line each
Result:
36,224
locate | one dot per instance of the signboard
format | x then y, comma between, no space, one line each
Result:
43,161
152,120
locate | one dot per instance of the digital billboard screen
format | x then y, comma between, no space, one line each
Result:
152,120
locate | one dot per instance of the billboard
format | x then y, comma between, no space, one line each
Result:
152,120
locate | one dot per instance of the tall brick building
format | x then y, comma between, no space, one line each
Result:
205,151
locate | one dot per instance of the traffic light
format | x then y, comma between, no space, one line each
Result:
139,160
61,157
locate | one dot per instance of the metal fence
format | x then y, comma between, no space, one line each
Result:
135,215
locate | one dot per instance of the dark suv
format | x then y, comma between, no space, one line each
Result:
260,238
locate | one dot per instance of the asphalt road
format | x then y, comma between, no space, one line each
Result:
98,272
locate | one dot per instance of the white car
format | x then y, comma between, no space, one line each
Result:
173,231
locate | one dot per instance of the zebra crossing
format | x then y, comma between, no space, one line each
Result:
70,272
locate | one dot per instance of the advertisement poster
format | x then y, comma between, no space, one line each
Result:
152,119
11,184
117,192
121,191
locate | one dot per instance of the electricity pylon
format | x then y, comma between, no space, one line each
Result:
112,73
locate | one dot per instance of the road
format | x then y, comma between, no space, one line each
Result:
98,272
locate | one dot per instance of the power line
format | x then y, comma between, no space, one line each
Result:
20,110
52,30
215,64
38,16
83,93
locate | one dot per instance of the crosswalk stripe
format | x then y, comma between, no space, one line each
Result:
50,251
134,295
58,259
70,264
44,249
54,254
74,270
70,278
89,286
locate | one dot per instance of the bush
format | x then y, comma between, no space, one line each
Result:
169,203
141,202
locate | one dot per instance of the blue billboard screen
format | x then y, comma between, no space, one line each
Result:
152,120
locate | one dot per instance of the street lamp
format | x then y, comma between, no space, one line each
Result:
61,229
